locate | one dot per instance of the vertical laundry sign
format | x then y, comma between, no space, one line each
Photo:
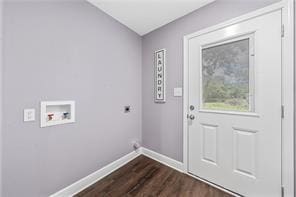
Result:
159,72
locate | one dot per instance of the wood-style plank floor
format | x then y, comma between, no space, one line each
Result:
145,177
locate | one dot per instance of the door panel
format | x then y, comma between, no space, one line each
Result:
244,152
235,88
209,145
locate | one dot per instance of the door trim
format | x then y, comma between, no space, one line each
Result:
288,92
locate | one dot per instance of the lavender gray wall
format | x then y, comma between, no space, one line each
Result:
96,61
66,51
162,123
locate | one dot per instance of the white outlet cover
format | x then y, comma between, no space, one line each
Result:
178,92
29,115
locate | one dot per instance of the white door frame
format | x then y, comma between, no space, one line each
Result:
287,7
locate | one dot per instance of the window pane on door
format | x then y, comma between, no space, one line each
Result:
226,77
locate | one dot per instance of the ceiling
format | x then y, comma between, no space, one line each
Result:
144,16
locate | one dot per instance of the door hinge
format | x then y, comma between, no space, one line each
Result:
283,111
283,191
283,31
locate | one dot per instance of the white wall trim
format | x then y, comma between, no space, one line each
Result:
288,92
108,169
177,165
288,99
96,176
248,16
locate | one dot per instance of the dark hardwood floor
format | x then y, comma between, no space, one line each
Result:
146,177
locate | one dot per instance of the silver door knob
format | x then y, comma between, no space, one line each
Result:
191,117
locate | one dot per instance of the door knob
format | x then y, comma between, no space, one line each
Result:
191,117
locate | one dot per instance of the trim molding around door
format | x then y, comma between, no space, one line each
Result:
288,92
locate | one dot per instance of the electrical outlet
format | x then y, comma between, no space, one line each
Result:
178,92
29,115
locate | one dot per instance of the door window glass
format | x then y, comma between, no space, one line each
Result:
226,76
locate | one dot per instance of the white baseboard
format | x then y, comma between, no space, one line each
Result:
96,176
108,169
177,165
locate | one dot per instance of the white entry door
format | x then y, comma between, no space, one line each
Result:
234,136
